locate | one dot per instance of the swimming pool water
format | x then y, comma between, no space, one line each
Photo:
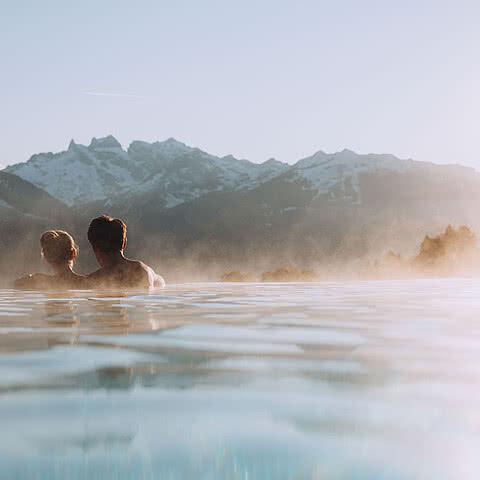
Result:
341,380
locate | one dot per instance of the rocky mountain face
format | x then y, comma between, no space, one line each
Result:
168,172
20,197
184,205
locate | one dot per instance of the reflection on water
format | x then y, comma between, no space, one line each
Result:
329,380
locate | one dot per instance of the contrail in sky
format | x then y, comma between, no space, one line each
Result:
106,94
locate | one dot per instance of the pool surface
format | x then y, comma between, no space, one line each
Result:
341,380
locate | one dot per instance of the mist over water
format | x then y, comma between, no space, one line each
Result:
448,251
300,380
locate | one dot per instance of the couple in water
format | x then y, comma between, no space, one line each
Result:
108,237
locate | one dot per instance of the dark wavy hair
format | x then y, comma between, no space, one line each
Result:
107,234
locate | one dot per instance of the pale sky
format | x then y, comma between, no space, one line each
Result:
257,79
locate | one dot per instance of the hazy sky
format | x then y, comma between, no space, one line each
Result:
258,79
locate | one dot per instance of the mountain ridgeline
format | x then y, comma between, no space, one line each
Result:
193,215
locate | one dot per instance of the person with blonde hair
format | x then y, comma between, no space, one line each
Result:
59,250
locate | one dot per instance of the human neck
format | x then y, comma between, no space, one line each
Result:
62,270
109,260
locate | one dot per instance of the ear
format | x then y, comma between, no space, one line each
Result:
74,255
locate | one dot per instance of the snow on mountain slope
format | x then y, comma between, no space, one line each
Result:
173,170
165,174
339,173
81,173
171,160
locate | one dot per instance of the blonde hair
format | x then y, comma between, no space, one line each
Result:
58,247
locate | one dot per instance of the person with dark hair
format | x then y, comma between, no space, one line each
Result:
108,238
59,250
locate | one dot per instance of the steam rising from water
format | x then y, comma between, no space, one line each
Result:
299,258
452,252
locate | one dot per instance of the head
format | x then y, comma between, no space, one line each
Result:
107,236
58,248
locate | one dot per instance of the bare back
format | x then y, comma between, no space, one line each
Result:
40,281
125,274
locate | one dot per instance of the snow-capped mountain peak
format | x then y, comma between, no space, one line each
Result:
106,142
81,173
145,152
339,173
170,172
271,162
173,170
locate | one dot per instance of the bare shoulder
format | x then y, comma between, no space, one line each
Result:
80,281
155,279
142,273
35,281
150,278
96,278
127,274
159,280
96,274
137,265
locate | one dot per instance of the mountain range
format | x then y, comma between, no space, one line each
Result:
183,203
172,171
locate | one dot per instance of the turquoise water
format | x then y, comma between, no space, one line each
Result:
344,380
